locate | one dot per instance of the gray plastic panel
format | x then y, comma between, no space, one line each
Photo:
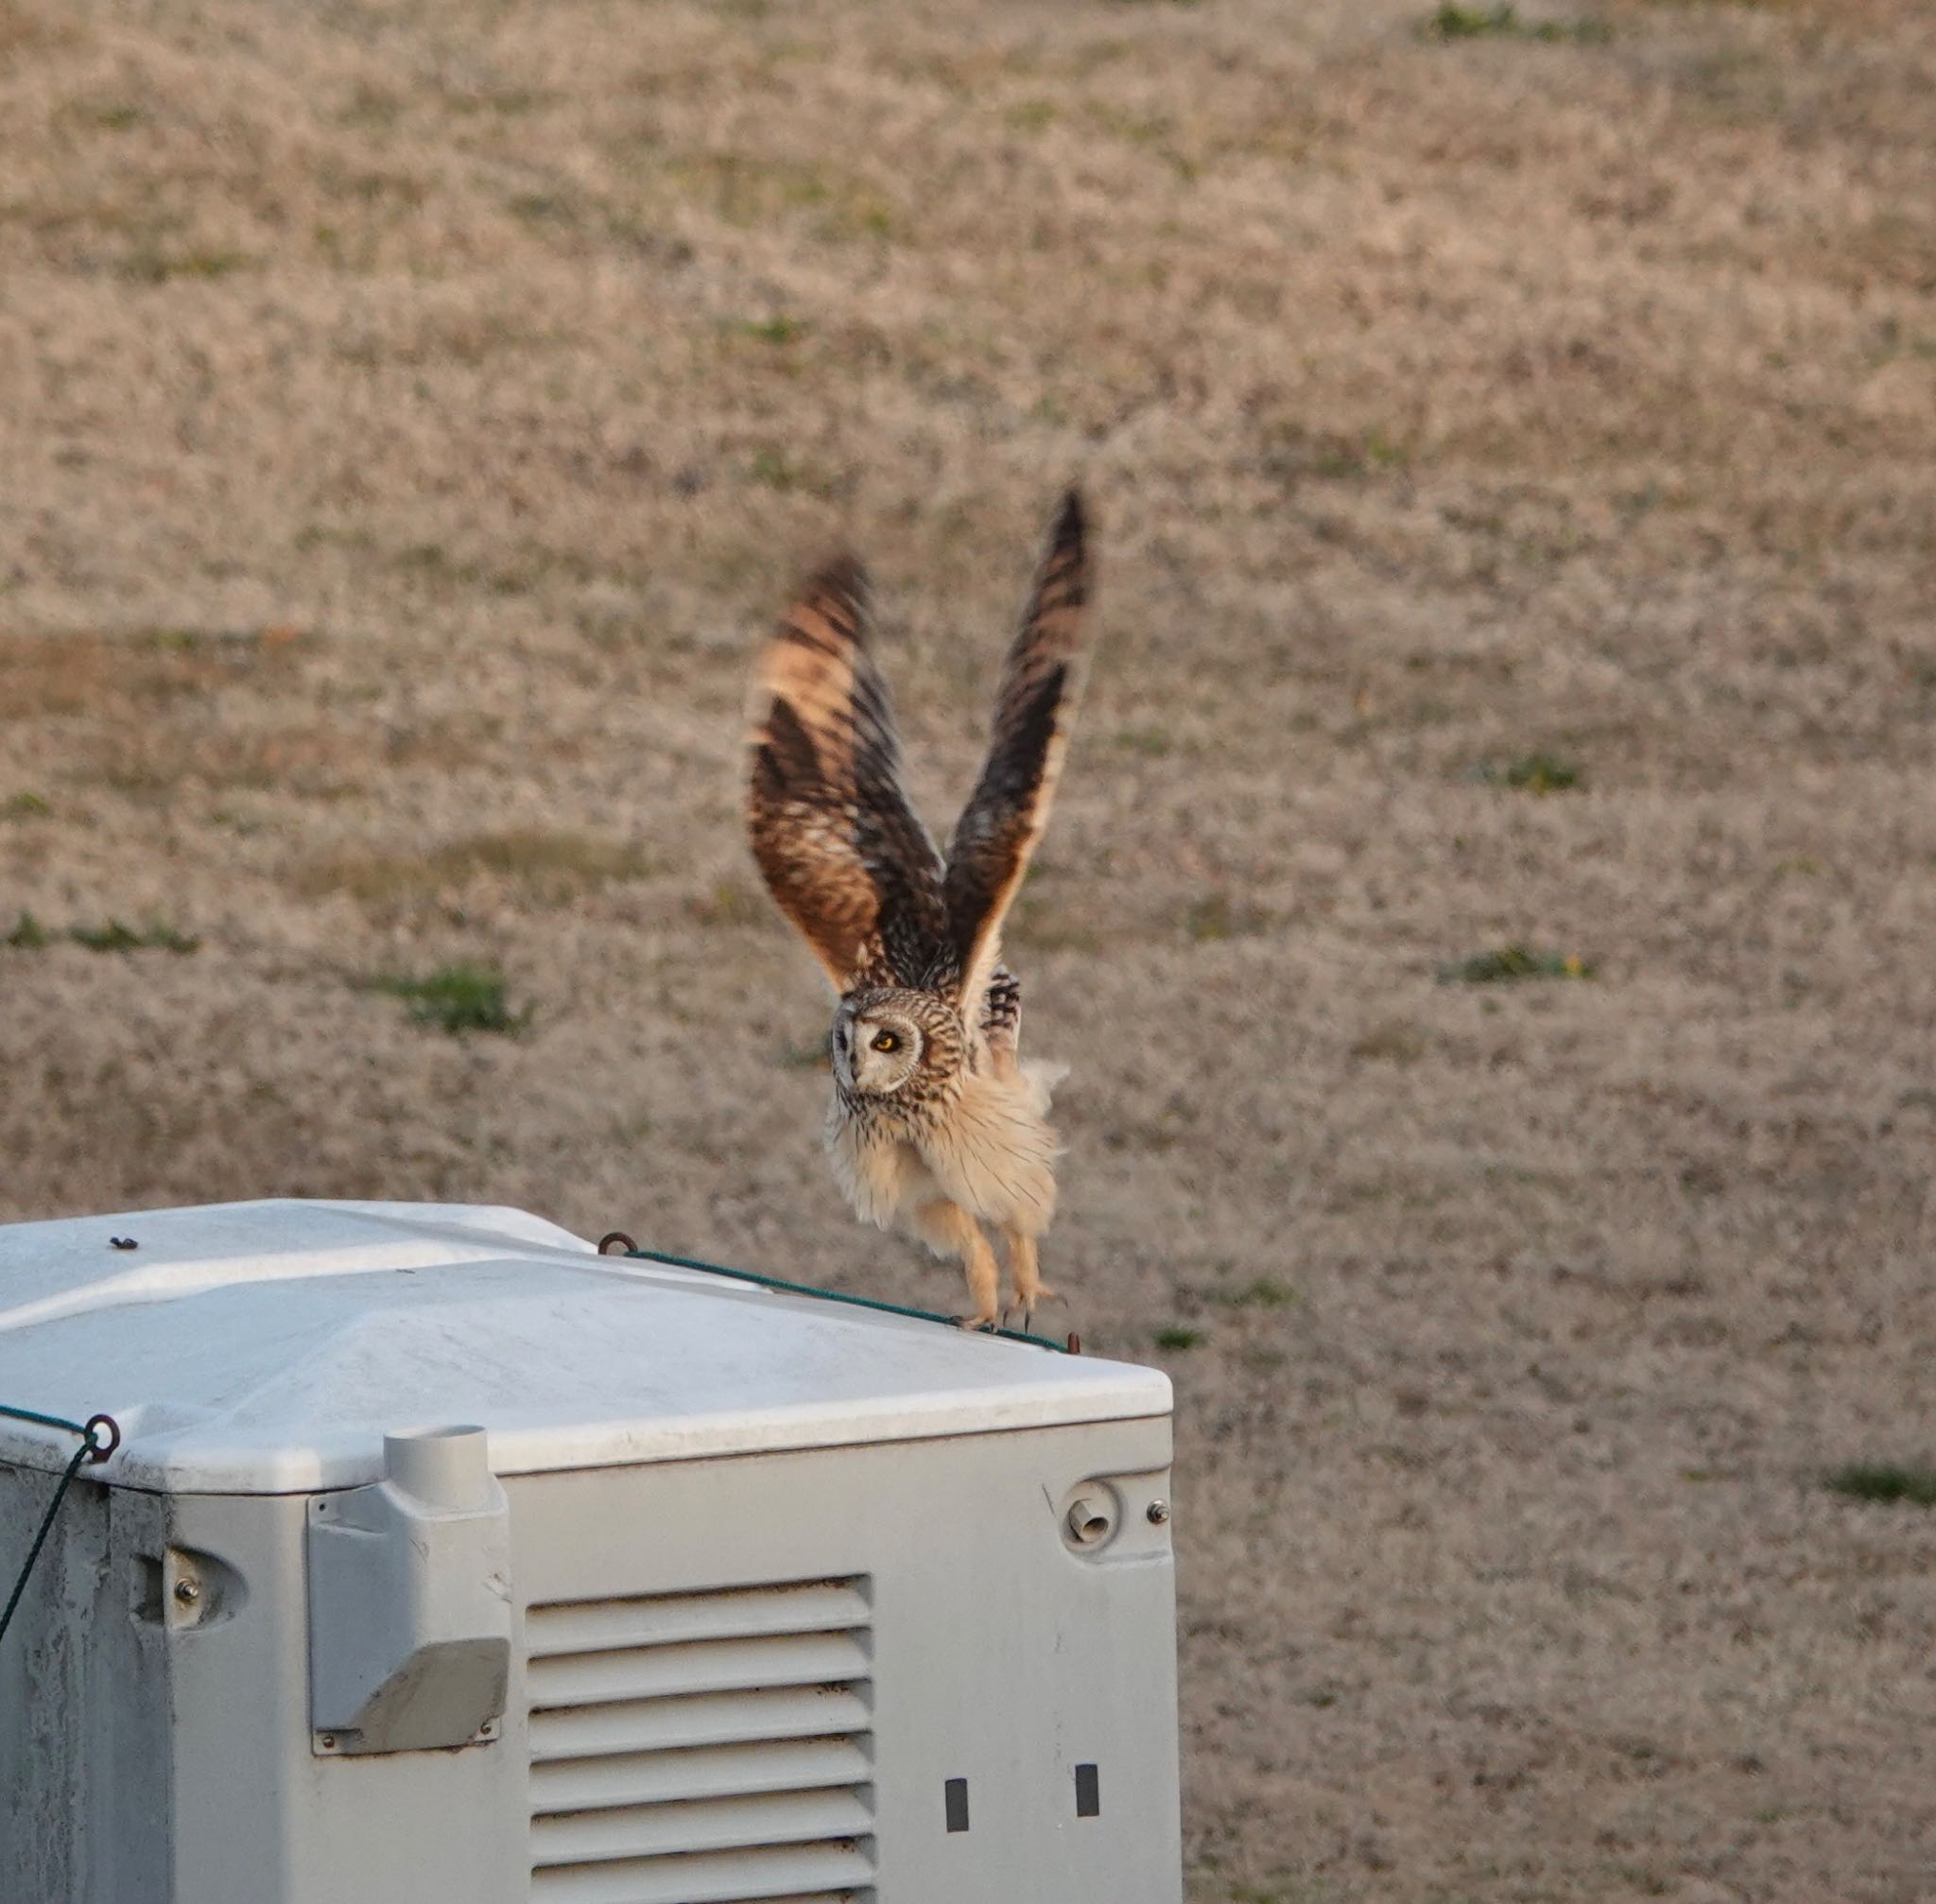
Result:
754,1681
931,1594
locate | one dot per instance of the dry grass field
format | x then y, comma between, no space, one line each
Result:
1491,907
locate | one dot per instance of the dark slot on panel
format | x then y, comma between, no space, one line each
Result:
1088,1792
955,1795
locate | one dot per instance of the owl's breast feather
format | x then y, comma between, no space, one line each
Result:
880,1173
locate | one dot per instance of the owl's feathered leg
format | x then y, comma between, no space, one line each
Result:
1025,1273
948,1229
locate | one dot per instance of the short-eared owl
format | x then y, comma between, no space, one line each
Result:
936,1123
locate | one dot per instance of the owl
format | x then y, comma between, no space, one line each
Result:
936,1125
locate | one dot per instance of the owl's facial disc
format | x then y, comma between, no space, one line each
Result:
877,1051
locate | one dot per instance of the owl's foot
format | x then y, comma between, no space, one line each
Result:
989,1322
1025,1276
1026,1302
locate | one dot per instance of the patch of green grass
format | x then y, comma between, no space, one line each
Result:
1386,453
775,330
1031,115
429,557
116,937
1043,927
1286,1890
774,469
733,903
457,998
370,109
25,807
1175,1336
1702,1178
746,191
29,935
1507,964
150,264
550,869
544,208
1266,1292
1454,21
117,117
1292,451
1392,1043
770,466
1216,917
1887,1482
1535,772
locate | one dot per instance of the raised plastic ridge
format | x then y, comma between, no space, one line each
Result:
268,1347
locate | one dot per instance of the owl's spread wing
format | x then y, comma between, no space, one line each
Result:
1009,808
832,831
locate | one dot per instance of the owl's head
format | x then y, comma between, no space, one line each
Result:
890,1041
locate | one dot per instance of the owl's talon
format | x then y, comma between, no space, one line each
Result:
982,1323
1026,1305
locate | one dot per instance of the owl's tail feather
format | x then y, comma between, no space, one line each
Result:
1040,1076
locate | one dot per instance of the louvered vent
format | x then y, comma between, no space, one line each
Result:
702,1748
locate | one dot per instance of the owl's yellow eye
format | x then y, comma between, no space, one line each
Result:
885,1041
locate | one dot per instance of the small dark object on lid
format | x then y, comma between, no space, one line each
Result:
122,1243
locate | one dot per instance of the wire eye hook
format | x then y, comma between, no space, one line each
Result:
103,1435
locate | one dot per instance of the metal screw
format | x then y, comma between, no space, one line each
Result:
1158,1512
187,1592
328,1742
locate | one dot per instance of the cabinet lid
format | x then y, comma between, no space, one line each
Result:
268,1347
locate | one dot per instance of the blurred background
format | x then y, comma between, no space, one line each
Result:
1490,905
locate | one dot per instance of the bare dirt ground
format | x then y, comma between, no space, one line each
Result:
410,414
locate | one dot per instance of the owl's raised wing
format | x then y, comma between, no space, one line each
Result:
1009,808
834,836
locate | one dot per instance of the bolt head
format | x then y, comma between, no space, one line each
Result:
187,1591
1158,1512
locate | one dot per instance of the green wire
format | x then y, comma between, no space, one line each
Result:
834,1296
90,1448
46,1527
46,1421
